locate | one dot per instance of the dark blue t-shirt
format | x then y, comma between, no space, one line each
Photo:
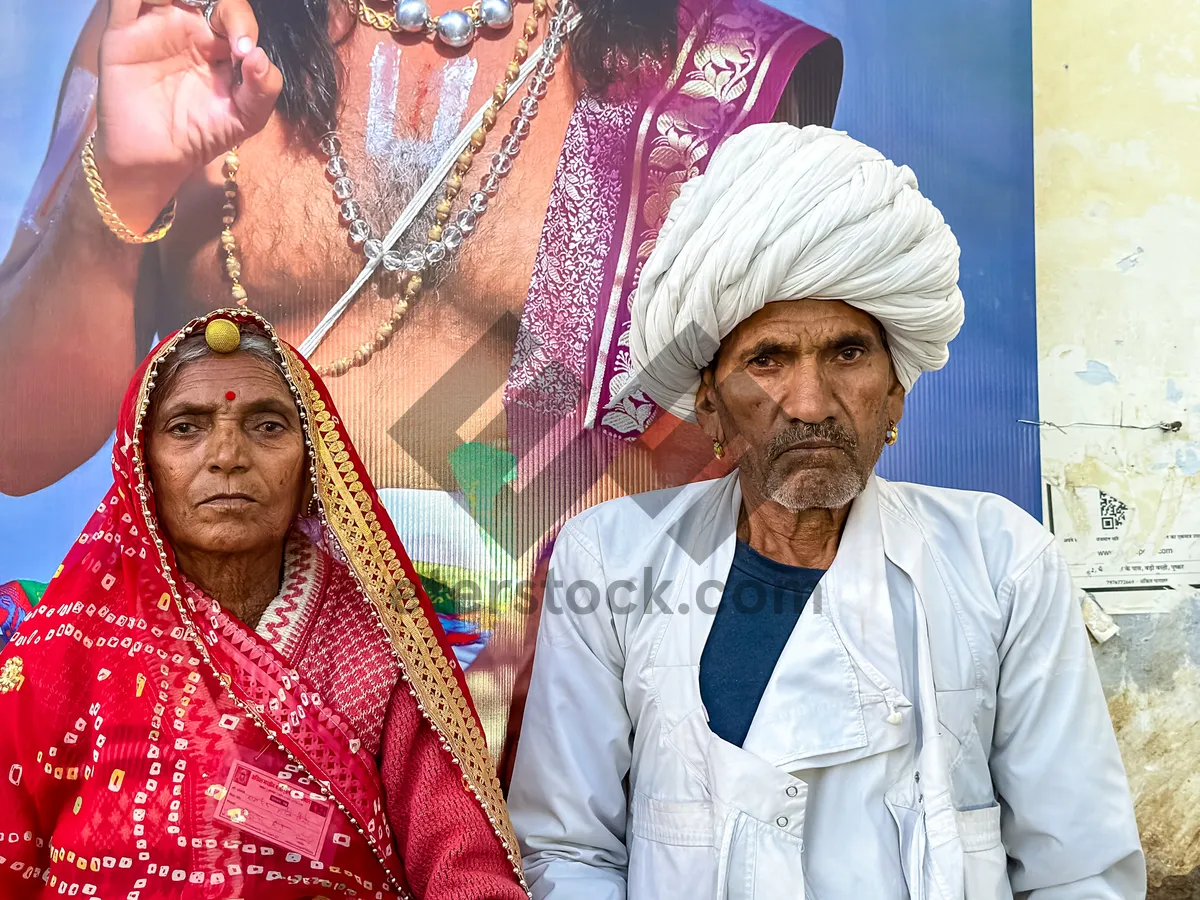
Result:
762,601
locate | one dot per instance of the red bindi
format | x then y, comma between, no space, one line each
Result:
230,395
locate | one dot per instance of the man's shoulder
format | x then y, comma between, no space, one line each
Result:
637,518
1007,536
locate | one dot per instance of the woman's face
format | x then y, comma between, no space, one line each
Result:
226,456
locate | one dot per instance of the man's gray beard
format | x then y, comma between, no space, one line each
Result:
835,489
811,487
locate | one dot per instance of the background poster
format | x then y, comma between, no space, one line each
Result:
946,87
35,43
935,85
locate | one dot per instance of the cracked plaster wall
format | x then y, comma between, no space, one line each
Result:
1117,162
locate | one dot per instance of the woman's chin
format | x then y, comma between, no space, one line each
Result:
234,537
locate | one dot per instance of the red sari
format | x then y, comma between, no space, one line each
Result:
152,744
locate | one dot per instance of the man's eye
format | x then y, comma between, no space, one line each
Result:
851,353
760,361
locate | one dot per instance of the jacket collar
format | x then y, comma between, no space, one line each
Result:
836,689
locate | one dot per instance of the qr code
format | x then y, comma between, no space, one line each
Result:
1112,512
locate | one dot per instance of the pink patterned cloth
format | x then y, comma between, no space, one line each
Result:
624,160
132,707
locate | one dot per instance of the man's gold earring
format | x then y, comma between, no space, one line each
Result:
718,450
892,435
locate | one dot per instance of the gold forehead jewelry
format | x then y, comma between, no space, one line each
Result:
222,335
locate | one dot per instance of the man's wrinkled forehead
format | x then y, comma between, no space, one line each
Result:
800,325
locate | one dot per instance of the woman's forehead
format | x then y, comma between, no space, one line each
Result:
212,378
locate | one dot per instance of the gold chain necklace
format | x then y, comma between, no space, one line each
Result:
233,268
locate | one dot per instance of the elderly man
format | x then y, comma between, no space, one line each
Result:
801,680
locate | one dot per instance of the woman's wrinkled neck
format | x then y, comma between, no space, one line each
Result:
243,583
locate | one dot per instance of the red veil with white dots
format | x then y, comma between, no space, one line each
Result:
152,743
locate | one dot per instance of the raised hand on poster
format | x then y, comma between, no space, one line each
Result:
176,90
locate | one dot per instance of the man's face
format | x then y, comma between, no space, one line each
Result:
802,394
228,474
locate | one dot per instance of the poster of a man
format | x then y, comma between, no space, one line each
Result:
525,173
494,305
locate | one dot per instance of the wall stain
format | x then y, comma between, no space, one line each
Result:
1177,887
1115,139
1156,715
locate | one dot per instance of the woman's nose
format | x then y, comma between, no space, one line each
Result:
227,448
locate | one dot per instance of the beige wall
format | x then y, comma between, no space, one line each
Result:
1117,157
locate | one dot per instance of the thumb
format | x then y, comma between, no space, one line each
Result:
255,96
123,12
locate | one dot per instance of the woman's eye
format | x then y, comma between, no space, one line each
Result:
182,428
272,427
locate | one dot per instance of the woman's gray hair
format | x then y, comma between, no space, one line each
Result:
195,347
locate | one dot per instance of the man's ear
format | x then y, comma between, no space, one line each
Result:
708,404
895,400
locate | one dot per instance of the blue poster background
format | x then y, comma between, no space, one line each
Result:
941,85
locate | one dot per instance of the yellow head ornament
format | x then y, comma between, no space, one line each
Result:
222,336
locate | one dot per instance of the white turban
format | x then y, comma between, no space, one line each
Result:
785,213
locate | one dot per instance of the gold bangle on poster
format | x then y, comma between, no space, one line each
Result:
158,229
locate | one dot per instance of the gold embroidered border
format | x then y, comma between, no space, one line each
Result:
348,512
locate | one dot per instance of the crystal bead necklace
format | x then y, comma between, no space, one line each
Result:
443,238
450,236
338,169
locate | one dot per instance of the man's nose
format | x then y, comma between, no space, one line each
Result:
808,392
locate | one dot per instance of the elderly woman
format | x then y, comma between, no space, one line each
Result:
235,685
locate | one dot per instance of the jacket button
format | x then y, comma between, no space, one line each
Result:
793,791
782,821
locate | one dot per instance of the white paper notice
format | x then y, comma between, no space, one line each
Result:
1114,560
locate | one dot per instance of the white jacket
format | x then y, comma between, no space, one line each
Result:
935,726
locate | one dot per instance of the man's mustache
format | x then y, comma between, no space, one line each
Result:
800,432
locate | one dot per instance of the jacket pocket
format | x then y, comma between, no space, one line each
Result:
686,823
956,712
671,851
759,862
985,863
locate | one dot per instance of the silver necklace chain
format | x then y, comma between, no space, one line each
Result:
418,260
